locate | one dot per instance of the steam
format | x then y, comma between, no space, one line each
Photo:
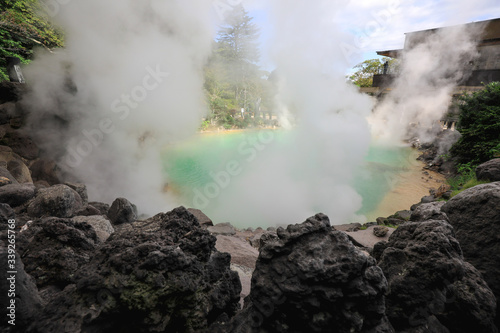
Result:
312,170
422,92
128,82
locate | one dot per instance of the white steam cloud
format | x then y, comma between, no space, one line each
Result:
421,94
128,82
312,171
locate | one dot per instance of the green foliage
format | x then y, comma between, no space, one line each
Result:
465,174
363,76
465,179
233,80
237,38
24,26
205,125
479,124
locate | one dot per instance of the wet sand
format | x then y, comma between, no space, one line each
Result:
410,187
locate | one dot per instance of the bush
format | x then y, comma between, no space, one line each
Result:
23,26
479,124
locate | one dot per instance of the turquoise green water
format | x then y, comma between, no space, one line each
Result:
195,164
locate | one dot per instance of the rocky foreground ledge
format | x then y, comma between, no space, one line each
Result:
84,266
101,273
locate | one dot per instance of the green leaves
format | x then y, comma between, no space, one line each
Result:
23,26
233,79
479,125
363,76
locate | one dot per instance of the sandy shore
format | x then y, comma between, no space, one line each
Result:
410,187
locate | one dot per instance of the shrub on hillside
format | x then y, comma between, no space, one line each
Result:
479,125
24,26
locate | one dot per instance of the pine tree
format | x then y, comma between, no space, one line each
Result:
237,38
237,49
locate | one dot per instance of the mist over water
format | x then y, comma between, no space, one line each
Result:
200,175
130,83
310,171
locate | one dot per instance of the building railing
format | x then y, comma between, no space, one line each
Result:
475,79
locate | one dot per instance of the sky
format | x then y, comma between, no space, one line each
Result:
376,25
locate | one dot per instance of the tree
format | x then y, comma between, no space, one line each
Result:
233,79
23,26
363,76
237,48
479,124
237,37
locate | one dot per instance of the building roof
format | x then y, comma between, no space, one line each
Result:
489,32
490,36
391,53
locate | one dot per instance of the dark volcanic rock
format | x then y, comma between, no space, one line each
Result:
428,211
380,231
102,207
6,112
81,189
11,91
58,200
489,170
16,194
6,174
45,170
312,279
428,199
21,144
431,287
88,210
27,301
122,211
6,214
160,275
475,215
57,249
100,224
19,170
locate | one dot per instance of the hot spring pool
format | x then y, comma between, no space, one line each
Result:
209,165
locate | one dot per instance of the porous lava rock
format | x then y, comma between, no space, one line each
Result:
57,201
159,275
20,144
311,278
100,224
20,288
431,286
122,211
489,170
6,214
16,194
475,216
53,249
428,211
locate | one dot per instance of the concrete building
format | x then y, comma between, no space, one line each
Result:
482,70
